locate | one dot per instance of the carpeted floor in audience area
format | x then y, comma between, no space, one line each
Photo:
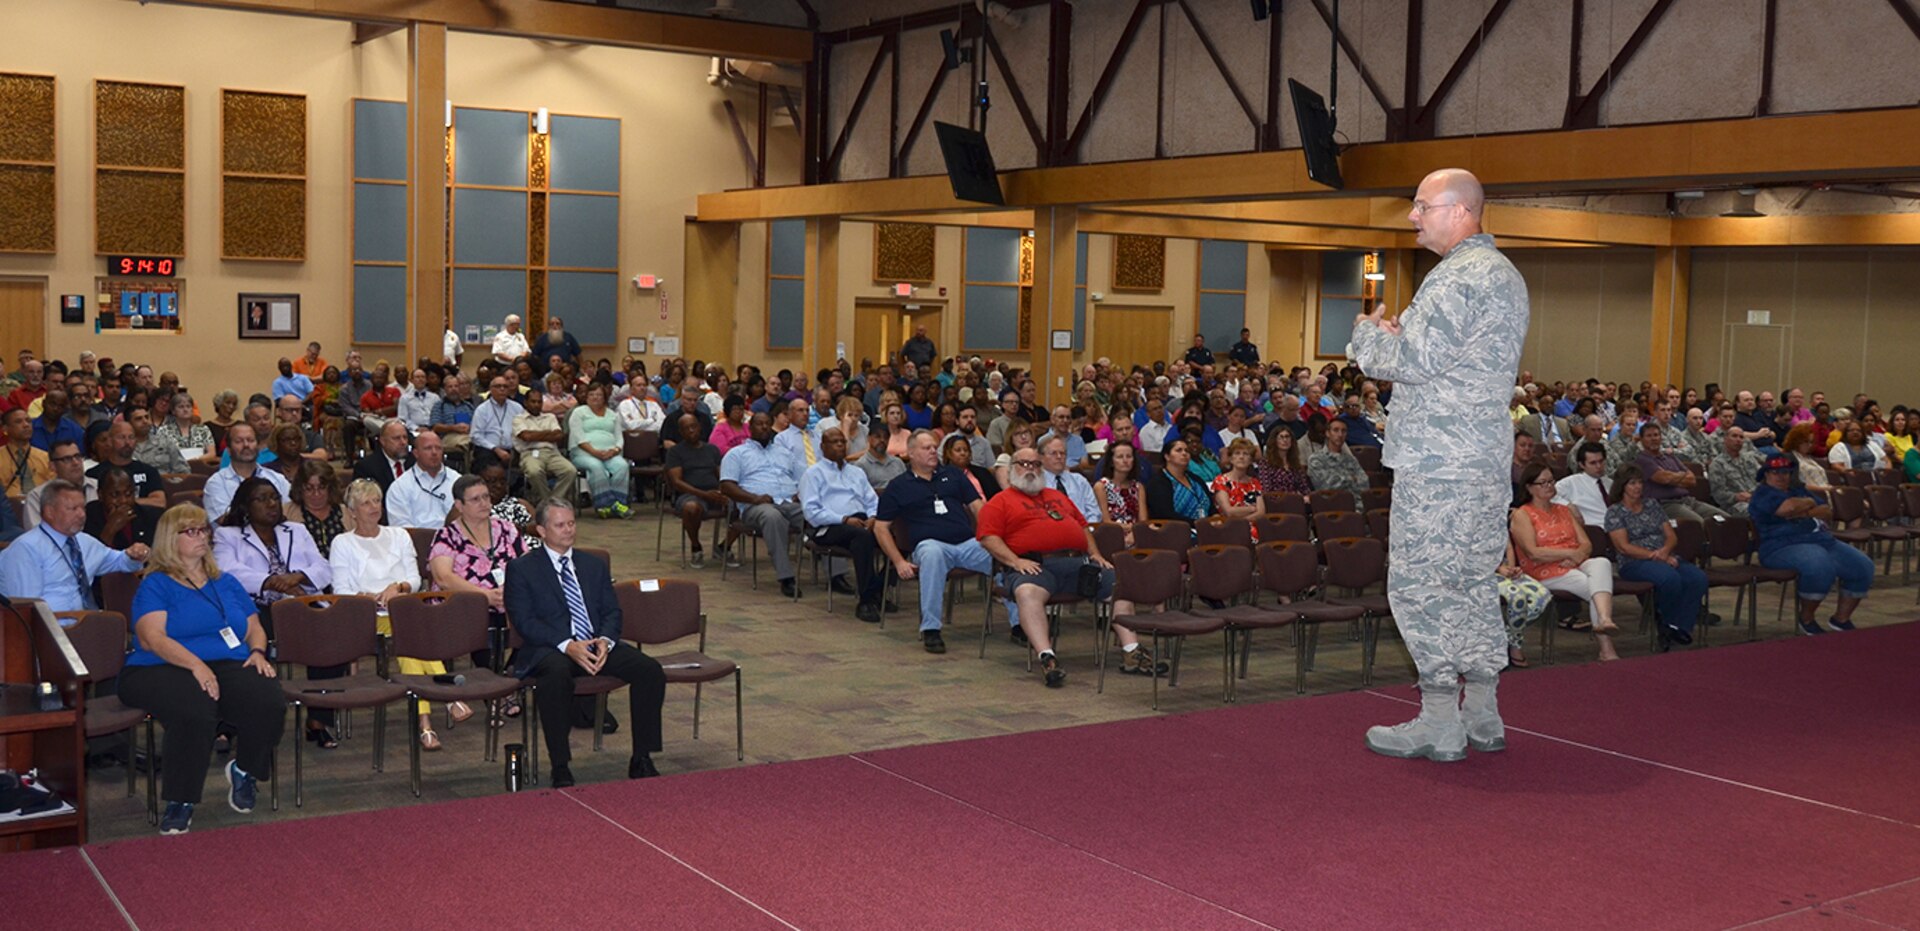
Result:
1747,786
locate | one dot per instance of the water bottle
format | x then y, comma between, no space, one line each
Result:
516,766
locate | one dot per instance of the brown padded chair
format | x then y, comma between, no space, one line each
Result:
1333,525
192,496
1732,540
1374,498
1055,601
1290,569
330,630
1332,499
184,482
1225,573
642,452
1152,577
422,545
605,556
1356,563
197,467
1223,531
1380,524
1883,508
447,626
100,637
1287,502
1850,508
1109,536
116,593
1172,535
673,613
1283,527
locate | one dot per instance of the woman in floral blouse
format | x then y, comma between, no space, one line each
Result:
470,554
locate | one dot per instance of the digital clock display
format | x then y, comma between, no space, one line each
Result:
141,266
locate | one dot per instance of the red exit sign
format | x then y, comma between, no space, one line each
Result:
141,266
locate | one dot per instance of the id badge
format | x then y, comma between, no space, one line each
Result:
499,576
939,506
226,634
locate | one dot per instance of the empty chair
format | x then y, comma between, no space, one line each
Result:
444,627
331,630
1332,499
1224,573
100,637
1283,527
1332,525
1229,531
1173,535
670,613
1380,524
1287,502
1290,570
1376,498
1731,541
642,451
1883,508
1152,577
1355,564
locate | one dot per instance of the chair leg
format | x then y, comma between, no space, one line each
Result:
530,735
1105,633
696,710
1226,666
299,772
413,755
1151,674
1370,631
599,717
153,779
739,718
1301,638
986,622
130,762
380,739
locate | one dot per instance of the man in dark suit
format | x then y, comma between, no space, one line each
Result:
389,457
561,602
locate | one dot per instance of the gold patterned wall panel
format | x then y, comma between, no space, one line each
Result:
1026,261
536,301
1139,263
26,208
263,218
140,125
26,118
539,158
903,252
140,212
1025,339
537,229
263,134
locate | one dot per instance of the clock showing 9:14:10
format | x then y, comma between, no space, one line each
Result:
142,266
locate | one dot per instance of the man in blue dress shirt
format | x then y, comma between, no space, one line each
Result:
764,483
1060,424
291,382
839,505
56,563
54,426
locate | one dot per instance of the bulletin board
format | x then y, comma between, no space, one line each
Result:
155,304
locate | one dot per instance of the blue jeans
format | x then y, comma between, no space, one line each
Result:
1819,564
932,560
1677,590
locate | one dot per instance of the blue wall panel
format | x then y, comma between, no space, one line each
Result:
588,301
1220,318
1340,273
379,304
380,140
1223,266
993,254
992,317
489,227
583,231
379,223
584,154
490,147
786,313
1336,325
788,248
485,296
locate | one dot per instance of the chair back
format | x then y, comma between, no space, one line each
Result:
1221,571
605,556
1369,456
1108,536
1888,477
1883,502
422,545
1380,478
1910,500
1146,576
1331,499
1283,527
1374,498
197,467
1690,539
1287,502
100,637
1288,567
640,447
1355,562
325,630
191,496
1175,536
116,593
1380,525
1849,504
1730,539
1223,531
1154,460
1332,525
669,614
438,625
1859,478
188,482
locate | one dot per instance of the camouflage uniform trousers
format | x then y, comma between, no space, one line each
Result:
1442,578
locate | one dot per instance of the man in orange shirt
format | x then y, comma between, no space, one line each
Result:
1041,542
311,365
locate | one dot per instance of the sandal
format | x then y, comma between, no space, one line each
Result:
322,737
429,740
1582,625
459,712
512,706
1517,659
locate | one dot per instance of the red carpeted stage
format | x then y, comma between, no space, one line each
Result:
1770,785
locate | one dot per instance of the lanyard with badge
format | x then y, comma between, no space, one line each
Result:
227,635
437,484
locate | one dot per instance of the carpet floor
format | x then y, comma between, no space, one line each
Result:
1765,785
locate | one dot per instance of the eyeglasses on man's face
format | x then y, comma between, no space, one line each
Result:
1026,463
1422,208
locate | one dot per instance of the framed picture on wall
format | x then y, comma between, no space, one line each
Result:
269,316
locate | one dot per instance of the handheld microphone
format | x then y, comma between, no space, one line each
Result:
455,679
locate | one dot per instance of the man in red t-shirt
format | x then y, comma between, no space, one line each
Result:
1041,541
379,405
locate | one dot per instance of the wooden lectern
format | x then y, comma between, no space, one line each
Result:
54,742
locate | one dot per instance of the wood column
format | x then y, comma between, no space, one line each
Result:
1056,232
1672,271
822,304
427,192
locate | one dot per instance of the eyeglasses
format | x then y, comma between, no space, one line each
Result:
1423,208
199,530
66,458
1026,463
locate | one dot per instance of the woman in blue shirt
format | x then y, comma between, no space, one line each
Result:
201,659
1793,535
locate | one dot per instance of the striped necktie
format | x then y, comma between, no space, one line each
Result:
576,605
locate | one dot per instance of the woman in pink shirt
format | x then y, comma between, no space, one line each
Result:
731,431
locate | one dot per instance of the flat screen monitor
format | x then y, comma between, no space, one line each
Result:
1316,135
969,164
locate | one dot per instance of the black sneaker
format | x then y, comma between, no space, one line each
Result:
1050,670
931,640
1018,636
790,588
868,612
1811,628
242,789
1838,624
178,818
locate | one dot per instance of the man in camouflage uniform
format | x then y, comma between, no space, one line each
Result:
1455,349
1335,466
1733,471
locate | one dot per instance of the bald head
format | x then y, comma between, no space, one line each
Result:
1446,209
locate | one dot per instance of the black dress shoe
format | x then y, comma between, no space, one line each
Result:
868,612
790,588
609,724
932,641
1677,635
841,586
641,767
559,777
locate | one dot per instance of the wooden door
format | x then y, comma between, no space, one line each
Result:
879,329
23,317
1133,335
